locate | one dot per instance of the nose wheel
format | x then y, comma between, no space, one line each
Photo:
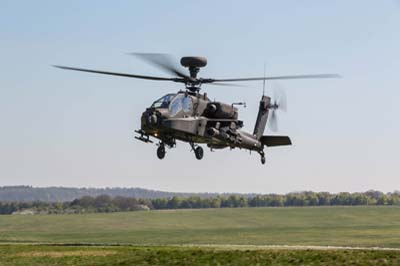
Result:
161,151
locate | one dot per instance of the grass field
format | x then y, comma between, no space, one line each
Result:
91,238
334,226
12,255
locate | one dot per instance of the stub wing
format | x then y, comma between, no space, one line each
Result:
271,141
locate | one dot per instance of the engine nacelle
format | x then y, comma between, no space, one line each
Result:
221,111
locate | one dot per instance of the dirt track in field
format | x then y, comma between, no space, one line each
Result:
213,246
253,247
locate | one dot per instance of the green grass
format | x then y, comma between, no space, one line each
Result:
11,255
334,226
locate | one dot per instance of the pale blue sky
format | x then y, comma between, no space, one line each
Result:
75,129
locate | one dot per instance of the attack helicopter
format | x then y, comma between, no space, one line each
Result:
190,116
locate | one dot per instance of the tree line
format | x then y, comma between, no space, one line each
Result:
63,194
106,203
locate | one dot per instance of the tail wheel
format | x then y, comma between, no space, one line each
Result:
262,157
199,153
161,152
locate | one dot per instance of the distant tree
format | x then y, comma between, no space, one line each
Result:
343,198
174,202
146,202
311,198
295,199
215,202
382,200
358,199
233,201
374,194
160,204
277,201
324,198
393,198
86,201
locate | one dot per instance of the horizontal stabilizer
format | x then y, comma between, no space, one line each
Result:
271,141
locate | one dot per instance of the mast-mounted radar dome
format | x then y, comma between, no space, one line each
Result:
193,61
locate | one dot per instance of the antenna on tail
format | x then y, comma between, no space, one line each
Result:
264,82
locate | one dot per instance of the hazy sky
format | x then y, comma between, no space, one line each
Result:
61,128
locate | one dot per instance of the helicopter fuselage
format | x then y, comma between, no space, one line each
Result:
193,118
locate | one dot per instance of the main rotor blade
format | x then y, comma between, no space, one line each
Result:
227,85
120,74
162,61
318,76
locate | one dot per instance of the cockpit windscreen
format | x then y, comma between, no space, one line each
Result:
163,102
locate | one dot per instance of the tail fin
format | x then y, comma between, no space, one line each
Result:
262,117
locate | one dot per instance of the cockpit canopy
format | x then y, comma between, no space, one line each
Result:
163,102
176,103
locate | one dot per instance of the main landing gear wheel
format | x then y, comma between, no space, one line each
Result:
161,152
199,153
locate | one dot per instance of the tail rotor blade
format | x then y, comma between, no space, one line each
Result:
280,96
278,103
273,121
